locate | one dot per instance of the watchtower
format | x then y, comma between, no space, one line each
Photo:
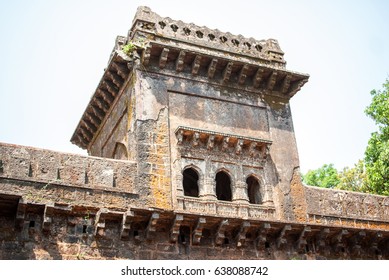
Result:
204,113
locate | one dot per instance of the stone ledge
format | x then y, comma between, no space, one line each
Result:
225,209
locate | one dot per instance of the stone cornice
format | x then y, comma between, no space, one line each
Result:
102,100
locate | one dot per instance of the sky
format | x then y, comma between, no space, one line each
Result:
53,54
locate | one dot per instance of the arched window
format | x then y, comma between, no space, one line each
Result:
223,186
190,182
253,190
120,151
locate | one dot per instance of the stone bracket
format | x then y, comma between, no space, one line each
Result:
212,68
258,78
375,240
321,237
262,234
201,138
100,222
272,80
152,225
227,72
243,74
356,241
163,58
281,240
175,230
337,239
286,83
220,234
302,241
196,65
180,61
146,56
198,231
126,224
47,220
241,237
20,214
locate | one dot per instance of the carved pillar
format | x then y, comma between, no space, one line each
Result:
240,192
208,189
267,198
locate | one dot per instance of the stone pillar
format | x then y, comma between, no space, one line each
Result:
208,190
240,192
267,198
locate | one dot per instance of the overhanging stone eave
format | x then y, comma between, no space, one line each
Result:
287,81
102,100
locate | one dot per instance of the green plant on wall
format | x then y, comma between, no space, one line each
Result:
131,47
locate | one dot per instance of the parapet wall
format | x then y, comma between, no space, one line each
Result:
345,204
266,50
50,176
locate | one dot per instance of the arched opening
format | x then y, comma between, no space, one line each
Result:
120,151
253,190
223,186
190,182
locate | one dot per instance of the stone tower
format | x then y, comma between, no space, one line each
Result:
204,113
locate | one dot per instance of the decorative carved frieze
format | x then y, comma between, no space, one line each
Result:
210,140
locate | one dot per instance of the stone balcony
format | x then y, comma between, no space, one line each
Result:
216,208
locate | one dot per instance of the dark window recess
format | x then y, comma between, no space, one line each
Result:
84,227
223,186
190,182
184,236
30,171
253,190
31,224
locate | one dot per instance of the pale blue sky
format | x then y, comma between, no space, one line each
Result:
53,54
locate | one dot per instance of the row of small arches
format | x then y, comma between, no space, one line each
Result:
212,37
223,186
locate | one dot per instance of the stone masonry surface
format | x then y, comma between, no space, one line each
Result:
192,155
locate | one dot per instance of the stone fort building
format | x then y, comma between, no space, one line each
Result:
192,155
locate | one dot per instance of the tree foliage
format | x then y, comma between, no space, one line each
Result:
325,176
370,175
353,179
377,151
